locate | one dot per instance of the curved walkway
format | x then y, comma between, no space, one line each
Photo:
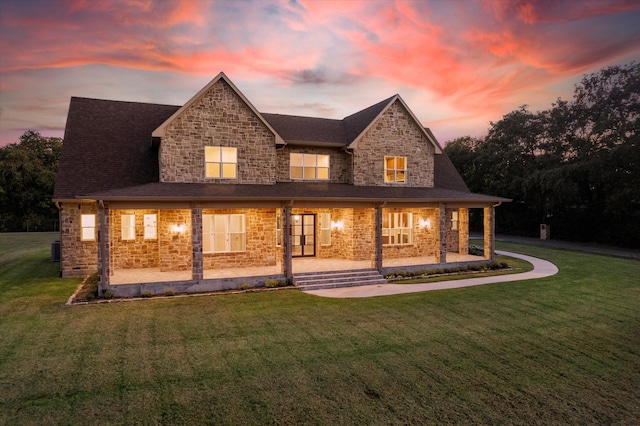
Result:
541,269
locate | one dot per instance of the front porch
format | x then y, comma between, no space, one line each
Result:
300,265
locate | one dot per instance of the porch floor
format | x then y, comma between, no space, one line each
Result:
150,275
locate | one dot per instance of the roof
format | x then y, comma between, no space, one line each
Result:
107,145
297,191
107,153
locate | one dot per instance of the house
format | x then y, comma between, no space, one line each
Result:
213,193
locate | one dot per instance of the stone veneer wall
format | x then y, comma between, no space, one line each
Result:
363,237
425,239
174,248
78,258
138,253
340,163
394,134
260,228
219,118
453,235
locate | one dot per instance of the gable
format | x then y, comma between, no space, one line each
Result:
160,131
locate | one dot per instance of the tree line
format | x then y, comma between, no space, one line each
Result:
574,166
27,179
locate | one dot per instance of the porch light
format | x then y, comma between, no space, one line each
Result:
296,217
425,223
178,229
339,225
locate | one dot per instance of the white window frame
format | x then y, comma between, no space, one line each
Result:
211,240
399,174
309,164
220,162
87,227
398,225
455,220
128,227
325,228
150,224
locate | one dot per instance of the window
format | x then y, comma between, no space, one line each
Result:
397,228
278,230
325,229
309,166
88,227
223,233
454,221
395,169
150,223
221,162
128,226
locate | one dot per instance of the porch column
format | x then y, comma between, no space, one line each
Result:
463,231
287,263
197,268
489,233
378,238
442,230
104,260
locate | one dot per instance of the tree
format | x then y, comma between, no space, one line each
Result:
575,166
27,178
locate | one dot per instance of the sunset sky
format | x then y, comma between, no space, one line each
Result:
458,64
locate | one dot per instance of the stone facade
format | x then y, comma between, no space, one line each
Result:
340,163
78,258
219,118
136,253
174,246
382,139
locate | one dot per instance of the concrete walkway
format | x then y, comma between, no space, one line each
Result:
541,269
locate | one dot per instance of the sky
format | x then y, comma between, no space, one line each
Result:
458,64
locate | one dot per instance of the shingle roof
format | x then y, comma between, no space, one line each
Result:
297,191
107,144
107,152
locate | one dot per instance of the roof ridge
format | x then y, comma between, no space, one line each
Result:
123,102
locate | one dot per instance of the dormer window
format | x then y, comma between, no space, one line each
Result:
221,162
309,166
395,169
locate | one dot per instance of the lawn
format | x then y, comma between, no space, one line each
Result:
563,349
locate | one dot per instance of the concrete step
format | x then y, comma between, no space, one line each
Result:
337,279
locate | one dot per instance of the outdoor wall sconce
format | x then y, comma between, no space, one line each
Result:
425,223
296,217
339,225
178,229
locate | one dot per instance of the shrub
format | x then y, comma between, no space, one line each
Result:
169,292
244,286
145,293
270,283
282,283
107,295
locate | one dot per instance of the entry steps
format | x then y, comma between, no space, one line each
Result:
336,279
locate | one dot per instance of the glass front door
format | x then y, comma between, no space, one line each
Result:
303,235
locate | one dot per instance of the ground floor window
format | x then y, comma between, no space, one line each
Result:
150,223
88,227
397,228
325,229
128,225
223,233
278,230
455,217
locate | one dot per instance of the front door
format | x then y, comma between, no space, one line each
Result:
303,235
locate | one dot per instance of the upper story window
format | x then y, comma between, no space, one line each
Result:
221,162
395,169
309,166
88,227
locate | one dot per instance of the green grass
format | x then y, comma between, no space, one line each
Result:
559,350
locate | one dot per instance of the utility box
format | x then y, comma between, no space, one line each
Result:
55,251
545,231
